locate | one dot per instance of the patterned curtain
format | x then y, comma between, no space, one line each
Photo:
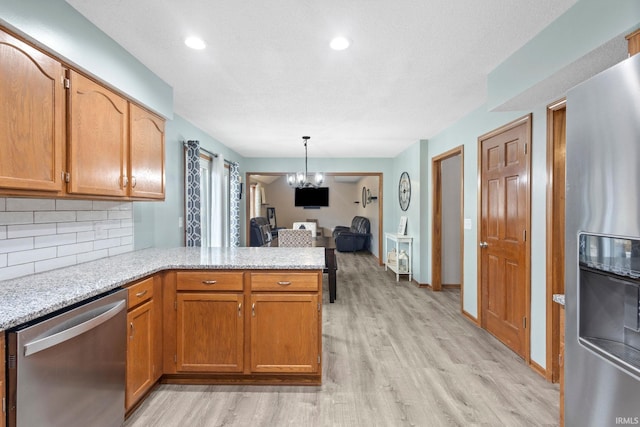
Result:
234,208
192,194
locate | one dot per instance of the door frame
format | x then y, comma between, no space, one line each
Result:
554,241
436,222
379,201
527,120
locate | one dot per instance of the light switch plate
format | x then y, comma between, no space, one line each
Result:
180,222
467,223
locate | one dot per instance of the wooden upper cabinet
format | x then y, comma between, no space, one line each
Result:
146,147
633,42
98,139
31,117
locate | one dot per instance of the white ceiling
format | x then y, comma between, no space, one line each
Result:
268,75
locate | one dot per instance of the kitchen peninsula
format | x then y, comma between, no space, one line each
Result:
219,315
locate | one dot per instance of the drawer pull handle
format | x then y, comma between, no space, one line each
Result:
284,283
141,294
209,282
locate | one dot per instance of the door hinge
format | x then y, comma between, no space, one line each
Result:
4,406
66,177
318,359
318,306
175,358
175,305
525,148
524,323
66,83
524,235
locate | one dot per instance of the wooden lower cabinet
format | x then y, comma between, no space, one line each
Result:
144,335
284,333
243,327
3,382
210,332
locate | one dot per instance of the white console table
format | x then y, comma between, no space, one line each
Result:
398,241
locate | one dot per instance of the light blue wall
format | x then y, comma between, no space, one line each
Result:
61,30
409,161
156,223
585,26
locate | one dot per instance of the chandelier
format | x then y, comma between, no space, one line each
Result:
300,179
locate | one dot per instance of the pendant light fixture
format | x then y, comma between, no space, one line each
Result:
300,179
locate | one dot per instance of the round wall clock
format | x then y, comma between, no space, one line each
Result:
364,197
404,191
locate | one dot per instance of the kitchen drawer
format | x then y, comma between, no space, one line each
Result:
140,292
209,280
285,281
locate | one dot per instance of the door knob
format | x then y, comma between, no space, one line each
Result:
484,245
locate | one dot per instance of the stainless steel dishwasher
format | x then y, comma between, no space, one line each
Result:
69,369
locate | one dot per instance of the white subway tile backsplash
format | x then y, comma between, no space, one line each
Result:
55,240
24,257
105,205
10,218
120,232
30,230
16,271
53,263
16,245
74,249
74,227
17,204
74,205
86,236
93,255
92,215
107,243
54,216
42,234
120,214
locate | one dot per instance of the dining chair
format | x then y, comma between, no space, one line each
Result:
294,238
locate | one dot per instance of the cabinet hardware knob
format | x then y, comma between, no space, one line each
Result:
125,181
253,309
142,293
209,282
484,245
132,330
133,182
239,309
284,283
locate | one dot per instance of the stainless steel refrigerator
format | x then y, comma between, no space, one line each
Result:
602,348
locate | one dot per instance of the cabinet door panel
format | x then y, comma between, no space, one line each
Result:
31,117
284,333
98,123
210,332
146,146
139,352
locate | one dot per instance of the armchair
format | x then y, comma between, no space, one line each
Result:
260,232
354,238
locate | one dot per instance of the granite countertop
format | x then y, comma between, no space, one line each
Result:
559,298
27,298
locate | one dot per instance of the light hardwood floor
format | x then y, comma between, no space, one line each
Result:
394,355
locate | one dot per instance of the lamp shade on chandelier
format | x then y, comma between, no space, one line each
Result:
301,179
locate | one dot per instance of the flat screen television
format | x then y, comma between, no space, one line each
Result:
312,197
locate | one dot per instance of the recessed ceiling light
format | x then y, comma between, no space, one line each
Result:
195,43
339,43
